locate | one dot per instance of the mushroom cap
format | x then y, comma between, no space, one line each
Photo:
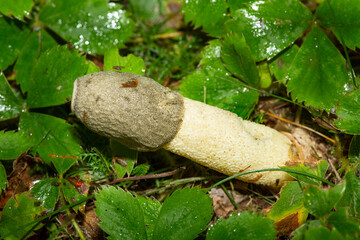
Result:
132,109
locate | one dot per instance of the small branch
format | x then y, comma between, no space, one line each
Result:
150,176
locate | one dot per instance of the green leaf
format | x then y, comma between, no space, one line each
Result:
244,225
315,232
47,191
13,144
319,171
213,85
141,169
319,202
17,215
12,39
3,178
347,226
10,105
18,8
71,194
183,215
130,63
37,43
318,75
270,26
209,14
53,77
281,66
239,60
125,156
92,68
351,196
151,209
343,18
348,110
354,150
120,214
236,4
289,206
93,26
52,136
147,10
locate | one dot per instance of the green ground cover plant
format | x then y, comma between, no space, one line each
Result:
233,54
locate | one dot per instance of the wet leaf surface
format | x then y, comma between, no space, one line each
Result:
348,110
131,64
47,191
10,105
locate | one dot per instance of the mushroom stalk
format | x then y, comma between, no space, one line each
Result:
143,115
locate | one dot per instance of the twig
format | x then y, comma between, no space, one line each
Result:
150,176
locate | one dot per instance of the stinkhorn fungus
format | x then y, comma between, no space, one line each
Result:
143,115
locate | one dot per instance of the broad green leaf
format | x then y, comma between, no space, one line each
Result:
316,232
151,209
10,105
289,211
347,226
343,18
92,68
319,202
130,63
348,110
71,194
183,215
270,26
17,215
13,144
16,8
236,4
351,196
53,77
47,191
54,139
120,214
3,178
213,85
244,225
319,171
318,75
12,39
125,157
37,43
354,150
280,66
147,10
92,26
209,14
239,60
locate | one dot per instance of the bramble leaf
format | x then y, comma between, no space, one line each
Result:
151,209
47,191
346,225
18,9
351,196
13,144
348,110
10,105
183,215
354,150
3,178
281,66
130,63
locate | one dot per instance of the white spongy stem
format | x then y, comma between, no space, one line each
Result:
222,141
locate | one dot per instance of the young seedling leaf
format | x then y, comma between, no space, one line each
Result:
239,60
351,196
289,211
47,191
346,225
318,75
151,209
319,202
93,26
13,144
211,15
92,68
319,171
53,138
280,66
213,85
71,194
120,214
354,150
244,225
125,158
12,39
17,215
10,105
3,178
37,43
348,110
19,10
52,83
270,26
114,62
343,18
183,215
